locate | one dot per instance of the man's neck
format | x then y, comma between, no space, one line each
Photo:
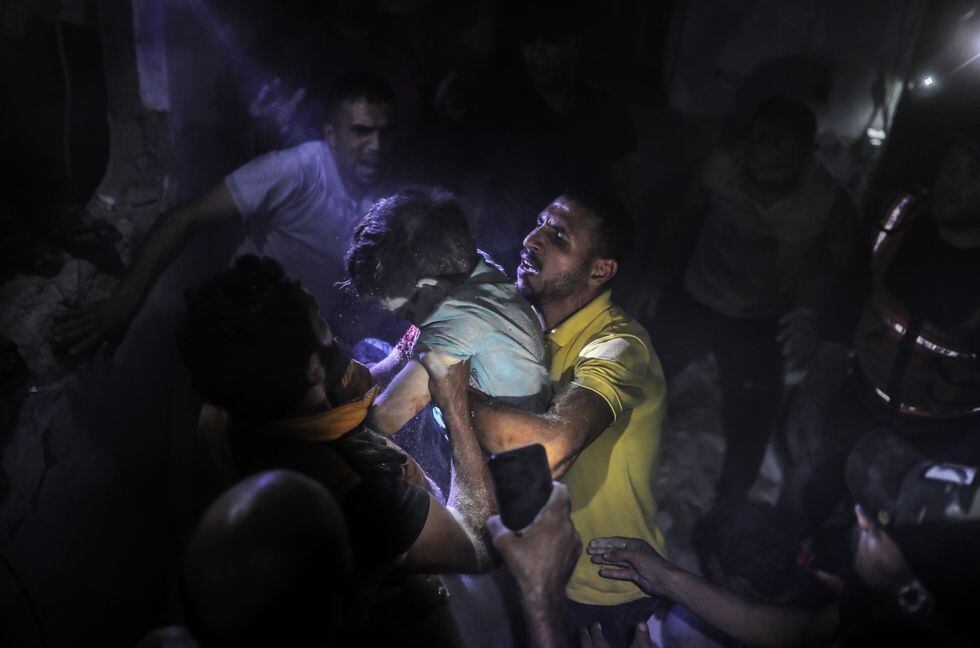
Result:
355,191
961,237
554,312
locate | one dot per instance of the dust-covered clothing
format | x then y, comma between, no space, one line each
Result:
487,320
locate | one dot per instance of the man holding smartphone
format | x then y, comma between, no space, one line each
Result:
602,429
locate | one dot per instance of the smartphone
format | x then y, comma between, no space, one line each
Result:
522,480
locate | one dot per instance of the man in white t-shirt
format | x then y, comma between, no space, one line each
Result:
299,206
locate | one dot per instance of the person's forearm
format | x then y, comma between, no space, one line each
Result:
501,427
404,397
747,621
167,236
159,247
383,371
546,620
470,490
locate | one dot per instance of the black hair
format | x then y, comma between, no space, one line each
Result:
549,19
415,233
354,86
249,338
789,114
614,234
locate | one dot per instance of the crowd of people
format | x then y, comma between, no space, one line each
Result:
340,512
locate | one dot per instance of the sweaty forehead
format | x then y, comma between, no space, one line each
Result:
570,216
361,112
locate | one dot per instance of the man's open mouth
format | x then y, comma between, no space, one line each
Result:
529,263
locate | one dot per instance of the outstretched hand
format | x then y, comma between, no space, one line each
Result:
85,328
273,105
631,559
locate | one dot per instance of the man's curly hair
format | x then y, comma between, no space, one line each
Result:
249,338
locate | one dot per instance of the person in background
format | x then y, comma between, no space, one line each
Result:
299,206
916,572
763,235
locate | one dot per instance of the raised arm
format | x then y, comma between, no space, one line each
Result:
574,419
757,624
108,319
454,537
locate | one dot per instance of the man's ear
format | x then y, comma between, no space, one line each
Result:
602,271
864,522
329,134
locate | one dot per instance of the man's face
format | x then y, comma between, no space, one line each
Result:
549,59
556,259
956,192
360,135
775,156
877,559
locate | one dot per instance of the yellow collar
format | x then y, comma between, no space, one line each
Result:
328,426
576,323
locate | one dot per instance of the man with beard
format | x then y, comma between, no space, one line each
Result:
258,348
602,428
298,206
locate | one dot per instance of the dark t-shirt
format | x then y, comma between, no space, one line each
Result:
385,512
931,277
934,278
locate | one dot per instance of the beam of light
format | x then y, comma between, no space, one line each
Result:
964,63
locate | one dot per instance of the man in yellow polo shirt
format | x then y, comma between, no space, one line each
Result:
602,430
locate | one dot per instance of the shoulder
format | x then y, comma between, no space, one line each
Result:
620,340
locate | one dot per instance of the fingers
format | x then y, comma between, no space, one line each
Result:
70,331
559,498
295,99
497,529
618,573
604,545
642,637
593,637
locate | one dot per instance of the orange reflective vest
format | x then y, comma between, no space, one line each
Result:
913,366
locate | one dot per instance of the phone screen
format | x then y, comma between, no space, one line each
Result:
522,480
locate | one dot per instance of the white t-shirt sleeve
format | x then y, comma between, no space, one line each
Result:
263,185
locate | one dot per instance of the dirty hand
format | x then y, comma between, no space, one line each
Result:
633,560
448,376
271,103
593,637
85,328
798,335
542,556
